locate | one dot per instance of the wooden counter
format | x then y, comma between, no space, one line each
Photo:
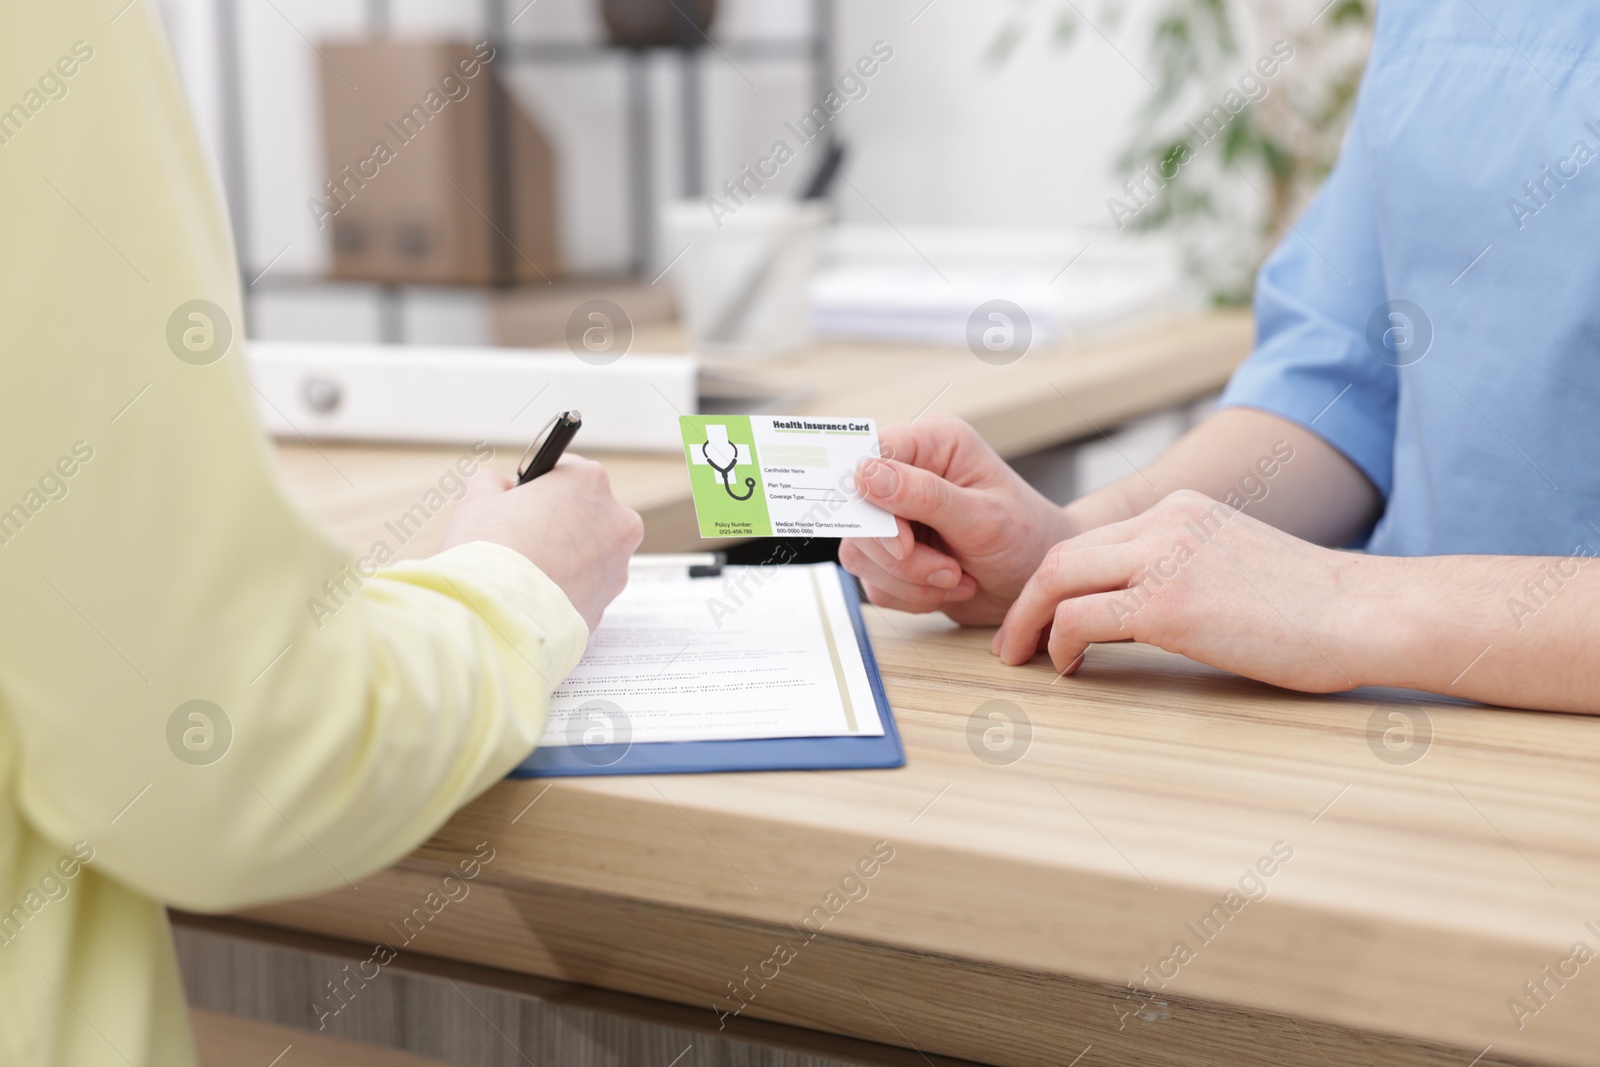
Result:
1399,867
1022,898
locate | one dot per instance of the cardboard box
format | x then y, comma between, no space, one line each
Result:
539,316
411,192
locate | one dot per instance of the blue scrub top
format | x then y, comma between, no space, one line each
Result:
1435,315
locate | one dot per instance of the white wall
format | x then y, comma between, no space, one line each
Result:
941,138
948,139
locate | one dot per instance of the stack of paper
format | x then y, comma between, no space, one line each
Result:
923,285
757,652
749,668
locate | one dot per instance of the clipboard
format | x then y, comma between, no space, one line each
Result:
776,754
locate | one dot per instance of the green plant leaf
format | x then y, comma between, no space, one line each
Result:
1004,43
1066,30
1348,11
1192,56
1240,141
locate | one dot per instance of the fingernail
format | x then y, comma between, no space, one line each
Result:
864,468
994,643
944,578
881,479
892,546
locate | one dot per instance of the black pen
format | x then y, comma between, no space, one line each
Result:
551,442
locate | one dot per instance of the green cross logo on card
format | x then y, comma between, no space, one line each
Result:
725,476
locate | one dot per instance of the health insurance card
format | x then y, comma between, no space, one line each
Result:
777,476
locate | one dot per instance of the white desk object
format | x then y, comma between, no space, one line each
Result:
419,394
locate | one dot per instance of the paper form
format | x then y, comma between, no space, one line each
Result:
759,652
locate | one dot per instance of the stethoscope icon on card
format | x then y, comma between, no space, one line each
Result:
717,437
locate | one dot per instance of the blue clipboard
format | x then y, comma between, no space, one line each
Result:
702,757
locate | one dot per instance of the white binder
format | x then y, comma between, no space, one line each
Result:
423,394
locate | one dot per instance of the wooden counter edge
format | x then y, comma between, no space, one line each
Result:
936,1002
652,1010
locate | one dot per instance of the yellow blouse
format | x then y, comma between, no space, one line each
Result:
175,725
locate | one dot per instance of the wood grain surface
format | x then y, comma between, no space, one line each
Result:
479,1016
228,1041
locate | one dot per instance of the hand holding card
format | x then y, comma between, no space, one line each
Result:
774,476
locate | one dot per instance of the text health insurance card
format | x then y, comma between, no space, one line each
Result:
773,476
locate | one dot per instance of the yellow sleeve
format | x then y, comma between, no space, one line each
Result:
149,560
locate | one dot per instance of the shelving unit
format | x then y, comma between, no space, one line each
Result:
634,63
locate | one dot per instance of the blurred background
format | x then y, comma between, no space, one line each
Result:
1084,160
